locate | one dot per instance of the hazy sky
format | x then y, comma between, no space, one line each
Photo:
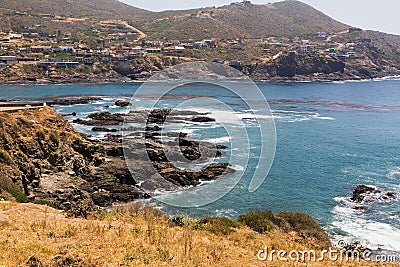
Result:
382,15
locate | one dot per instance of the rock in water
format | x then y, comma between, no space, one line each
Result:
122,103
369,194
203,119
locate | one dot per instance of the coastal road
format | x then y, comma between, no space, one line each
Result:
141,35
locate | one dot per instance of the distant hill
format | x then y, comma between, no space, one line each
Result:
288,18
75,8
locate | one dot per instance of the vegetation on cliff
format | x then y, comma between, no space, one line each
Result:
141,236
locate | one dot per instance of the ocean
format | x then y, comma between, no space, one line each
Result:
331,136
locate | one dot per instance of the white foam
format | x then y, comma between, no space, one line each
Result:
325,118
216,140
394,174
370,233
237,167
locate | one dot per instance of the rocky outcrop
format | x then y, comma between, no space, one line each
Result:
122,103
102,119
156,116
42,155
203,119
291,64
69,101
368,194
104,129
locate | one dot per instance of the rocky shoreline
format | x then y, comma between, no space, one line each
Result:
318,77
287,67
42,155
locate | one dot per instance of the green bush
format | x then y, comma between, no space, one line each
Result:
216,225
25,122
261,221
306,227
19,196
41,135
178,221
54,138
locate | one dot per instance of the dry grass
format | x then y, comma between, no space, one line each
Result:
139,237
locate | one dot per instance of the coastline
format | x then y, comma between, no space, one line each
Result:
392,77
278,79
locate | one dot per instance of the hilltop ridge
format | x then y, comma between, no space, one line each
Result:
245,20
74,8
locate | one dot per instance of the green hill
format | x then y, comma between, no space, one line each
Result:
75,8
288,18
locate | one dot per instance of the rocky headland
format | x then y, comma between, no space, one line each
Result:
45,158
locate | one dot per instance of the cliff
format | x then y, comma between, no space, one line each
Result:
290,65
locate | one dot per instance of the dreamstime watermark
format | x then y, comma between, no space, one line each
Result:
224,94
342,253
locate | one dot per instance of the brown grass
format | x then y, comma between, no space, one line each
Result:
135,237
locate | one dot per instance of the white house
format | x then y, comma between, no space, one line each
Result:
321,35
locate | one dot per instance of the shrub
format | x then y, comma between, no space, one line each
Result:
216,225
261,221
3,138
19,196
54,137
68,233
178,220
25,122
5,157
306,227
41,135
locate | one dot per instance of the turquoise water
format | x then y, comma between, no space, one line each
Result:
330,137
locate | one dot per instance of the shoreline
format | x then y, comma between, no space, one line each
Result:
276,80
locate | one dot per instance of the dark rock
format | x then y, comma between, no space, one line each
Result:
102,119
122,103
203,119
69,114
72,101
369,194
155,128
103,129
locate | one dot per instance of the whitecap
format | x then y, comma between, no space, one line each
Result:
394,174
358,228
216,140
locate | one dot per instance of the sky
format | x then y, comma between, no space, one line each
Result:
381,15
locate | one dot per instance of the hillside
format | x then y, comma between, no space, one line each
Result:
282,19
40,236
73,8
110,41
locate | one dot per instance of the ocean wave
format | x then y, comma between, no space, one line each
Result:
394,174
217,140
357,227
